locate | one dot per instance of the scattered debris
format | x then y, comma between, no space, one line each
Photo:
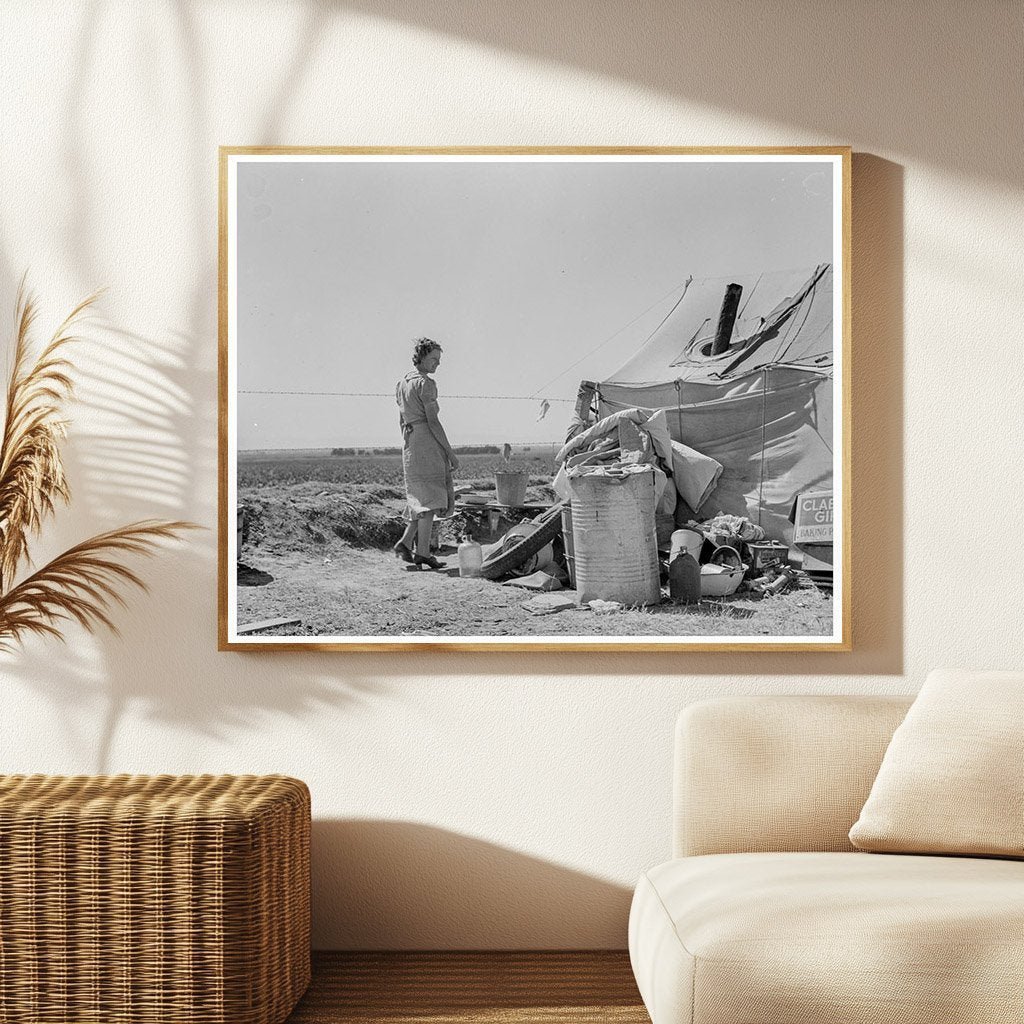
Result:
549,604
538,580
774,580
780,583
255,627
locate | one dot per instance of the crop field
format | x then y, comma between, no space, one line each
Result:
261,469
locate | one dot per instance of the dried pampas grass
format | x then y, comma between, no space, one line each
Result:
82,583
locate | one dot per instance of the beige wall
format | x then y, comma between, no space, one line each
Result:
482,800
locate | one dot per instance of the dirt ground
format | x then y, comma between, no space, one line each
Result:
359,591
320,552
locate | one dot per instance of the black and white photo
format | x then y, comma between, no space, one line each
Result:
587,399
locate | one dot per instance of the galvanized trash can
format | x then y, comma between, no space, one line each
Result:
614,543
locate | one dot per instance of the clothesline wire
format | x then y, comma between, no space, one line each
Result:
382,394
538,394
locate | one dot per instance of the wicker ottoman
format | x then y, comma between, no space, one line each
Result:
144,899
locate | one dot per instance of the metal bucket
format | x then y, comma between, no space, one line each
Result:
614,544
690,540
511,488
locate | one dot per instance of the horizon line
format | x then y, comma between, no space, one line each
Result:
392,445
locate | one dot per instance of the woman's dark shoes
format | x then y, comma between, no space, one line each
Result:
402,552
429,561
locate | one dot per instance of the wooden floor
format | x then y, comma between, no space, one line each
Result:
471,988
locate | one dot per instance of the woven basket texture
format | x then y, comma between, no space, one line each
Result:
613,531
143,899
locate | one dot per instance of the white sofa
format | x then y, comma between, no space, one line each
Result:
768,915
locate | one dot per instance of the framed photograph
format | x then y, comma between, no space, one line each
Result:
520,399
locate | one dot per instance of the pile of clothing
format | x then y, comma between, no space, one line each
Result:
734,531
639,437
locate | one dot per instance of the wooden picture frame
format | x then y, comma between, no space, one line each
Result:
522,262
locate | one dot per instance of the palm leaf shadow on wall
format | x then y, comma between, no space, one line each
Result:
82,583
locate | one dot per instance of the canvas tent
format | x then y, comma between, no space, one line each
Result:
763,406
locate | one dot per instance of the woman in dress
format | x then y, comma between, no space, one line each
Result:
427,457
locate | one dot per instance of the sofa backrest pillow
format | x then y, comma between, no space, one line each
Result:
952,778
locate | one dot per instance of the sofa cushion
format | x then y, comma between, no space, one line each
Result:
833,938
950,780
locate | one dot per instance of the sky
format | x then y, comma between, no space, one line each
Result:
531,274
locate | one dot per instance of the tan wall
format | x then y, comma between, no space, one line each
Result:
480,800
